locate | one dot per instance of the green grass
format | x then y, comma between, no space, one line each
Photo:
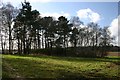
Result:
15,66
0,66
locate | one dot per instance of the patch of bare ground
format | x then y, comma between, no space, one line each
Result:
113,53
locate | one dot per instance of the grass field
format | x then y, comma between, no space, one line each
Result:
29,66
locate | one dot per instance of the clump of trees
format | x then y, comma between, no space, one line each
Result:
35,34
7,13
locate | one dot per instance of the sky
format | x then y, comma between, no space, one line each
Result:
105,13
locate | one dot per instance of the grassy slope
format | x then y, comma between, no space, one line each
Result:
58,67
0,66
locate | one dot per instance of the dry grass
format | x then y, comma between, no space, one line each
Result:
113,53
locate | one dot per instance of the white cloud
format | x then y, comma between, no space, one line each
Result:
114,27
56,15
88,14
82,26
33,1
43,1
115,31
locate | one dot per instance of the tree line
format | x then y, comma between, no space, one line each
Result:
32,32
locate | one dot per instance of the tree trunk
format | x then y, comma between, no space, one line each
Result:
10,38
64,46
21,47
51,45
2,45
18,46
38,37
96,39
45,43
42,40
24,41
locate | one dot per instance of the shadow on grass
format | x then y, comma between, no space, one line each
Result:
115,60
34,69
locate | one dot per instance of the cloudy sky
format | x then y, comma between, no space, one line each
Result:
104,13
